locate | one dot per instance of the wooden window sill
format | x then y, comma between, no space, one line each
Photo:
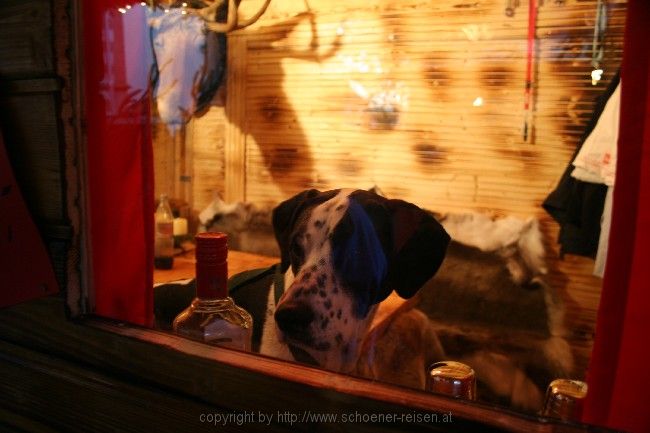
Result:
191,377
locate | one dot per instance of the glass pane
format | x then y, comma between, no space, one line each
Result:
470,111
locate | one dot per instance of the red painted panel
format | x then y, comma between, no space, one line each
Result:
25,268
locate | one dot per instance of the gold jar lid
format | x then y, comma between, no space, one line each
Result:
565,399
452,378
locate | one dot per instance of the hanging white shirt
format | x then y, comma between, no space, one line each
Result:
596,163
596,160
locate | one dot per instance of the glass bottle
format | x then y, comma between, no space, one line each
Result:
164,240
213,317
452,378
565,399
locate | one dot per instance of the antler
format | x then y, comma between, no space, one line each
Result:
209,13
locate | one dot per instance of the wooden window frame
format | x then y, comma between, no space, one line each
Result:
217,378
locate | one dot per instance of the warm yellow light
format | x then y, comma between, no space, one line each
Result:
596,76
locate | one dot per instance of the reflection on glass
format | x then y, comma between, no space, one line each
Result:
429,106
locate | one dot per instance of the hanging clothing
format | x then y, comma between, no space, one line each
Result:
577,205
596,160
603,242
189,64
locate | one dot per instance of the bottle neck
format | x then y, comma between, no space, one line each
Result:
211,279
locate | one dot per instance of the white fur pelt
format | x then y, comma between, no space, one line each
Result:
492,309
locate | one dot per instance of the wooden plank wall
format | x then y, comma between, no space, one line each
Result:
33,88
303,84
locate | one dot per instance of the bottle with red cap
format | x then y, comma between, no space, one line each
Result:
213,317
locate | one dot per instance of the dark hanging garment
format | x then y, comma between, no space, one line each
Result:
576,205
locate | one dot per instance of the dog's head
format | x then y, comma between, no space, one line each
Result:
344,251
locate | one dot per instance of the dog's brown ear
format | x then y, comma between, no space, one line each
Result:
419,247
285,216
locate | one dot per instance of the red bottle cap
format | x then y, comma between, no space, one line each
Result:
211,265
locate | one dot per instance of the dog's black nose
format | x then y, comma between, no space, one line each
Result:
294,318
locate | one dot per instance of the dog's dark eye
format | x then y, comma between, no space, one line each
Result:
296,254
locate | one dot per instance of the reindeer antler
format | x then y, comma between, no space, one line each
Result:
209,15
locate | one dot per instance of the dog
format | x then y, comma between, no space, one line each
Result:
342,253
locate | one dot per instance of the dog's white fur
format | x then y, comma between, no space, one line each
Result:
336,331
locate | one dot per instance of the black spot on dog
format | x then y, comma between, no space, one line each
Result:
320,280
322,262
322,294
314,268
339,338
338,314
331,314
319,224
313,289
346,349
324,323
306,276
298,292
328,305
323,346
340,207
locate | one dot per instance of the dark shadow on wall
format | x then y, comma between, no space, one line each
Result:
287,156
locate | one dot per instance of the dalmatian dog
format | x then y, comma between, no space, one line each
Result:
343,252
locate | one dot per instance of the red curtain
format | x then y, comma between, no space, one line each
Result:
619,373
120,161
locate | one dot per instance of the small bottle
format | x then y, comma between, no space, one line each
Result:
164,241
565,399
452,378
213,317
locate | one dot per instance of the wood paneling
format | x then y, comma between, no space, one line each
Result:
26,38
31,92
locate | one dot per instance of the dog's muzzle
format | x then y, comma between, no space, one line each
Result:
294,320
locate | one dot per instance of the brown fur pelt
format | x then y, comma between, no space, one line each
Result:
492,309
